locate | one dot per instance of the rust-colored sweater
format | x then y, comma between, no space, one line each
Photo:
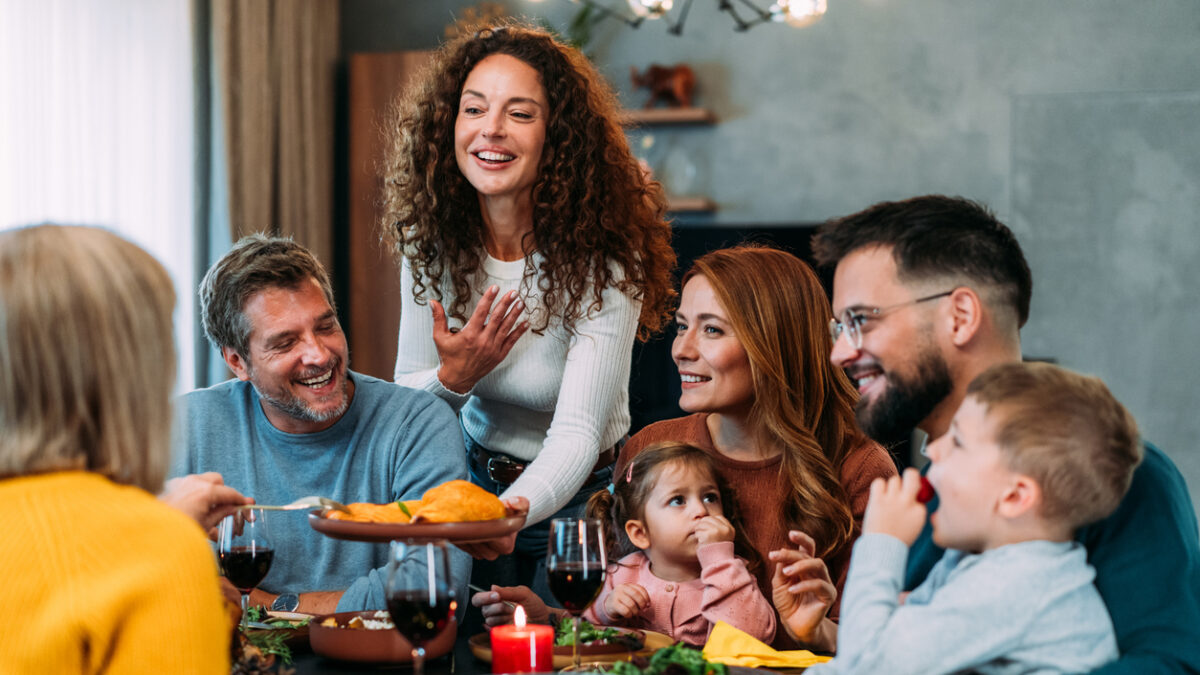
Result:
758,491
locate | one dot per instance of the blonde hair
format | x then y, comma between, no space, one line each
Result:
802,404
1067,432
89,356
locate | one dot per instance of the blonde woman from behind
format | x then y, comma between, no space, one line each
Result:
94,563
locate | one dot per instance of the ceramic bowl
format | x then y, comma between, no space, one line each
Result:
370,645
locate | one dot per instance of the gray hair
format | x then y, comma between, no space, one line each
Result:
89,356
255,262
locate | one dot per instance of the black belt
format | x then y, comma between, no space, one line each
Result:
504,469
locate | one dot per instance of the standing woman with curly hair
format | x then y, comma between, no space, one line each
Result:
752,346
533,251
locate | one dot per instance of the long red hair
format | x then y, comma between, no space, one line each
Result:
802,403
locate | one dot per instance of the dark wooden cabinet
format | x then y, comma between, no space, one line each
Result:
372,277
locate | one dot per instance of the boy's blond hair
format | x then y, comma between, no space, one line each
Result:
1067,432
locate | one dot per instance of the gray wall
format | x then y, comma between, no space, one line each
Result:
1077,121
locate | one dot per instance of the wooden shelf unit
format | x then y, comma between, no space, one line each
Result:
675,117
690,204
659,116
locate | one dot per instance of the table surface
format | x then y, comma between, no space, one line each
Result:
459,662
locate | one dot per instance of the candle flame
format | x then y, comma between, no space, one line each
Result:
519,617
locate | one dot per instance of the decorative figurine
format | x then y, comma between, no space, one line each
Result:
671,84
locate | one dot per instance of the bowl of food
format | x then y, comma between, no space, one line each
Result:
370,637
596,640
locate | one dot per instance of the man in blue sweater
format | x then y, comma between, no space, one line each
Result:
932,291
297,422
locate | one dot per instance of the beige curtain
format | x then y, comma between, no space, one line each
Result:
276,63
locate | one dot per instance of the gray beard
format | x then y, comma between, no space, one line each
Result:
891,418
296,408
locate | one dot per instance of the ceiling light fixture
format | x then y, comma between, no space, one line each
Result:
744,13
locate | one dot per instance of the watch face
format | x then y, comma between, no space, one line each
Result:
286,602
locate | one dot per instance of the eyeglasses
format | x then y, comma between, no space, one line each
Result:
853,319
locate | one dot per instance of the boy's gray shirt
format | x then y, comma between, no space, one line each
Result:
392,443
1028,607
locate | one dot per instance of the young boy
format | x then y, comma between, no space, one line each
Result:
1034,452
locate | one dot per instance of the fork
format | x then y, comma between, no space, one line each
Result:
302,503
473,587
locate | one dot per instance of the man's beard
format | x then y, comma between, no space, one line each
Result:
907,401
297,408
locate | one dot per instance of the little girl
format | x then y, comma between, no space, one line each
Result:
678,574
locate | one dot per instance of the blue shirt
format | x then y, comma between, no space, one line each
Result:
1147,560
392,443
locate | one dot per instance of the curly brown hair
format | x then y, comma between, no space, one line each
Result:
592,206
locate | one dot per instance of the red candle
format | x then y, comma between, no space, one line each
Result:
522,648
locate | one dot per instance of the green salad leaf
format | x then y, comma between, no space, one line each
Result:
678,659
271,641
588,632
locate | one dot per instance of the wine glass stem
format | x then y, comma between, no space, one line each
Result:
418,657
575,642
245,610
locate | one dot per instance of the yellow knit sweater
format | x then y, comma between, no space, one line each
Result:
102,578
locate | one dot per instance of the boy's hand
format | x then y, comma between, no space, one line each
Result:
626,601
894,508
712,529
499,604
801,589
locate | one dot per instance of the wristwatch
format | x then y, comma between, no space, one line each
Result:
286,602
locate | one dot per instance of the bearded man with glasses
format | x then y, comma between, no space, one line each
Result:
932,291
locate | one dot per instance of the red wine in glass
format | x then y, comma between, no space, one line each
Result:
420,593
418,617
575,566
576,584
245,566
245,552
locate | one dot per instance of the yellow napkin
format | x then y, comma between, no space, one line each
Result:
733,647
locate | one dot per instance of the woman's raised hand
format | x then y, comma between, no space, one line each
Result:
473,351
803,593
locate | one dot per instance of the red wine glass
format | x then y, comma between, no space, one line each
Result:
245,552
575,564
420,593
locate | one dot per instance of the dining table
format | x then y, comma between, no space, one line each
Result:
460,661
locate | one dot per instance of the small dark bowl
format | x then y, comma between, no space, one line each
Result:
371,645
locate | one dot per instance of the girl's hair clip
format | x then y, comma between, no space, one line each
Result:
629,473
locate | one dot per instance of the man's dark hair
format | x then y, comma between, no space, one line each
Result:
936,236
